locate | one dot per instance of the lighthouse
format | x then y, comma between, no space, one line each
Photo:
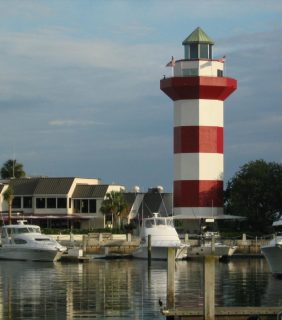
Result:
198,88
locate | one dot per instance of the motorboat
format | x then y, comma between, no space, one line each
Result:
273,250
26,242
206,248
163,235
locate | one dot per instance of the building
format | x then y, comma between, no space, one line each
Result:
76,202
58,202
198,89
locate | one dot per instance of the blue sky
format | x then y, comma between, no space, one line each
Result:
79,84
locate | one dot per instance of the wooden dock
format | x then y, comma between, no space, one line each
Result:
210,311
224,313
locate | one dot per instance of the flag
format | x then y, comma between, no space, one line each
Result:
222,59
171,63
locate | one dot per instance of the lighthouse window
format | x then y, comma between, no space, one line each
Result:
219,73
190,72
204,50
194,53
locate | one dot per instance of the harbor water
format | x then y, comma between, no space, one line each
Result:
126,288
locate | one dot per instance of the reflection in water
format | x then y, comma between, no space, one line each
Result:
125,289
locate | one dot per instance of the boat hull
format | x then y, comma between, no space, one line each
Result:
205,250
273,255
29,254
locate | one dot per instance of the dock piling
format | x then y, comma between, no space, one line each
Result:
170,277
149,249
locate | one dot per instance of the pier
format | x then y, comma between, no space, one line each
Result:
209,311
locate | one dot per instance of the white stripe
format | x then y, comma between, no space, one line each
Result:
198,112
197,212
198,166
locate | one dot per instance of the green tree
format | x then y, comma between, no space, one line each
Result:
114,205
9,197
12,169
255,192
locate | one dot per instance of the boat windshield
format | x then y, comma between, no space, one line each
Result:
149,223
160,222
152,222
25,229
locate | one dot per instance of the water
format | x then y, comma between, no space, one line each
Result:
125,289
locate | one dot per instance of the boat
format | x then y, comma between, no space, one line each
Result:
26,242
163,236
273,250
206,248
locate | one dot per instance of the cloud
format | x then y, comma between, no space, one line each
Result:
73,123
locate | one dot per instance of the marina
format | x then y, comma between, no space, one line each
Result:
127,288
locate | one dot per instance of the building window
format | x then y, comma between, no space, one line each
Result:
17,203
84,206
92,206
76,206
40,203
62,203
27,202
51,203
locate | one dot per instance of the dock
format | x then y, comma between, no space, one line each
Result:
209,311
224,313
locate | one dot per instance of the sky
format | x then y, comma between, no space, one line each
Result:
80,84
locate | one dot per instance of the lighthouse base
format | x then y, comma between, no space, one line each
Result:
197,212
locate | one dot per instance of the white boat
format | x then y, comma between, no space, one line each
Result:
273,250
26,242
163,236
204,249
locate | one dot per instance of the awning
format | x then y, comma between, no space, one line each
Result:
52,217
197,217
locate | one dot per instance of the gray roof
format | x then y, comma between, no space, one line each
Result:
24,186
39,186
156,202
89,191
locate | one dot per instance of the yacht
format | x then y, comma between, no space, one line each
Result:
273,250
26,242
163,236
207,248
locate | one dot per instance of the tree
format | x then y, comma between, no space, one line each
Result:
9,197
12,169
115,205
255,192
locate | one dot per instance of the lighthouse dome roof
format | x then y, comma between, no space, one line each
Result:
198,36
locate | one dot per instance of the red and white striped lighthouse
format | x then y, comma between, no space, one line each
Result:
198,88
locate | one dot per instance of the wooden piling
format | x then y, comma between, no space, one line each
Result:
209,287
149,249
170,277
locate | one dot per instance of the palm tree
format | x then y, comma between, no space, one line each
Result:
12,169
114,204
9,197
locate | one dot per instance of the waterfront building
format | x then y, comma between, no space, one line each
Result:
64,202
58,202
198,88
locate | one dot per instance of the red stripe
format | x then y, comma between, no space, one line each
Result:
214,88
194,139
198,193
